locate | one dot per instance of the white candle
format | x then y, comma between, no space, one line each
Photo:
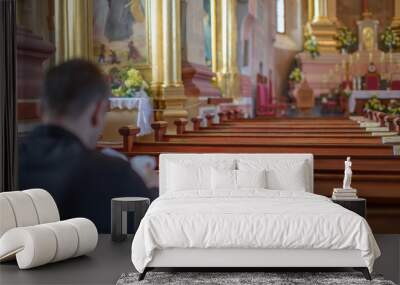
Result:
382,57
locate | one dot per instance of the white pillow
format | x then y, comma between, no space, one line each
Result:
186,178
193,174
251,179
223,179
230,180
282,174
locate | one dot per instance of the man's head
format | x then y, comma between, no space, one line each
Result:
75,97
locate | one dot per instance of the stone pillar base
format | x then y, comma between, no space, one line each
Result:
325,31
175,102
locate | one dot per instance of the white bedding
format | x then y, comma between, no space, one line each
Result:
250,219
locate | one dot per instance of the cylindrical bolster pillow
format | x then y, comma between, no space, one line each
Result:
87,234
41,244
7,218
45,205
26,208
33,246
23,208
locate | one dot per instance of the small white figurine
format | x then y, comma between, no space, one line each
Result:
347,174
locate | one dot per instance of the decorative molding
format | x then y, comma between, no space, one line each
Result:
197,80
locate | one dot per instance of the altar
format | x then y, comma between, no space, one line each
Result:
358,98
127,111
370,63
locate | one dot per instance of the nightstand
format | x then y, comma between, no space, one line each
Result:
119,210
358,205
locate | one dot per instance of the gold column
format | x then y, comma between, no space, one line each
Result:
226,48
321,12
323,27
156,45
310,10
171,88
73,29
396,17
332,11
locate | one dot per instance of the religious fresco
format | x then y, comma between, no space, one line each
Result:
120,32
197,31
207,32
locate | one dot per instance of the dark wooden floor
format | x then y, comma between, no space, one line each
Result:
106,264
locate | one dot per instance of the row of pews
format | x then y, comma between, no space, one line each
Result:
376,165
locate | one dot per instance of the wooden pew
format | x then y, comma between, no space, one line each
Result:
275,140
205,133
376,170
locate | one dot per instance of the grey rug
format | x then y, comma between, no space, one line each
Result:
268,278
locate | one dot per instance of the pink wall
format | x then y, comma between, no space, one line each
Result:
349,12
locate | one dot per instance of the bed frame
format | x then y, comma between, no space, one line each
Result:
242,259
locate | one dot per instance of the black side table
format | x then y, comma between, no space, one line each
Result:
358,206
119,209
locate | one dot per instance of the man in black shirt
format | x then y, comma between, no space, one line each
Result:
59,155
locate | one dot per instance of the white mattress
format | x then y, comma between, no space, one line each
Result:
257,219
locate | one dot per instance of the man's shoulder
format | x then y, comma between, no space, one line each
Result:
98,160
106,172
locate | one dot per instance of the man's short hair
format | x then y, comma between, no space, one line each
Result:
71,87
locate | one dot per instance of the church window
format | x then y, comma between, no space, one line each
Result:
280,16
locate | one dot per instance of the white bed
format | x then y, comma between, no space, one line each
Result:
201,219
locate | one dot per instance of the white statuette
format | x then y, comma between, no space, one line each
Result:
347,174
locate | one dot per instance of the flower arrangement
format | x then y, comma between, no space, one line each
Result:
375,104
296,75
394,107
311,45
126,82
347,40
389,39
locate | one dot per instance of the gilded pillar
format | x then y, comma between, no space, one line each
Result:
332,11
73,29
166,60
396,17
323,25
156,45
172,44
321,12
310,10
226,48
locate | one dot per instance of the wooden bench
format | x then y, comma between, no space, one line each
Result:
376,170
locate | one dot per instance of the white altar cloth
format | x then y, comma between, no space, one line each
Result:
366,94
144,107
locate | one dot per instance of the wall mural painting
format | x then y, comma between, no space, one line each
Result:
120,32
207,32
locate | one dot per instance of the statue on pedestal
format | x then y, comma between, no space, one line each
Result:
347,174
